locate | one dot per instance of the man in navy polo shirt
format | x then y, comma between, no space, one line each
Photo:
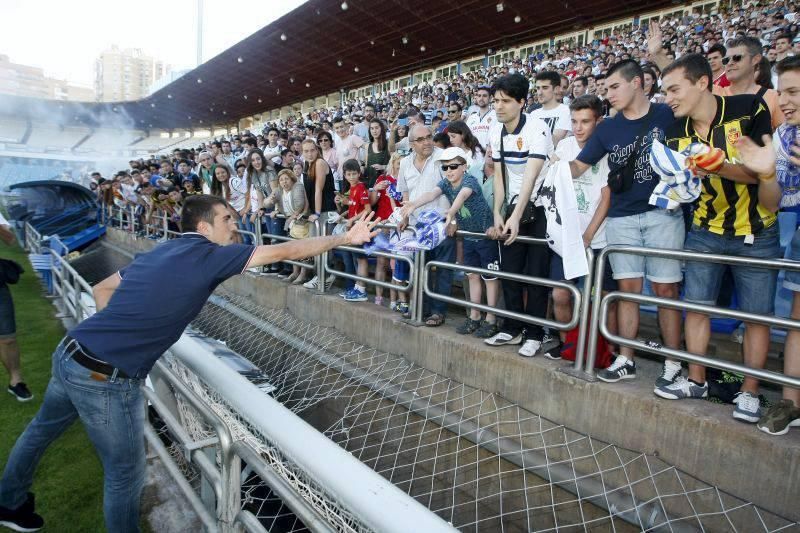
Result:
99,366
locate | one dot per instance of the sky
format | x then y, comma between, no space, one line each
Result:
65,37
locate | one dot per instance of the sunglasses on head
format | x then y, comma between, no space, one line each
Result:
451,166
735,59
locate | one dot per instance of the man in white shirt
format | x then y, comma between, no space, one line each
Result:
418,175
272,148
347,145
552,112
520,144
481,120
9,349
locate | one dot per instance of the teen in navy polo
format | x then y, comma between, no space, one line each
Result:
98,367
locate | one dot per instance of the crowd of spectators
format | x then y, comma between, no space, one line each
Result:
477,147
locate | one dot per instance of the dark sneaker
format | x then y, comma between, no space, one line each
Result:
779,418
670,372
682,389
621,368
554,352
22,518
469,326
20,390
487,330
748,408
551,346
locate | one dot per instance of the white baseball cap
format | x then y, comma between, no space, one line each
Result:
451,153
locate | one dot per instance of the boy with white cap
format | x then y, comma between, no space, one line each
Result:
468,211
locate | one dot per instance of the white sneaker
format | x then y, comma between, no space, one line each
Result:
501,339
329,281
311,284
529,348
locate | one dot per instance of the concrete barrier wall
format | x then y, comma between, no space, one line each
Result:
697,437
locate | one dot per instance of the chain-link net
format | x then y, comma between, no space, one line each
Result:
472,457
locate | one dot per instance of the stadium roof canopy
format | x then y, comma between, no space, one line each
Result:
327,49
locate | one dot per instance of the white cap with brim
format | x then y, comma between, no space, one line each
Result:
448,154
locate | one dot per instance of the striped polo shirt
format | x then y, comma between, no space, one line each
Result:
726,207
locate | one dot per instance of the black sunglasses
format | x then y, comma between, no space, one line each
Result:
451,166
735,59
452,111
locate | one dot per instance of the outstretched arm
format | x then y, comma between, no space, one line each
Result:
104,290
361,232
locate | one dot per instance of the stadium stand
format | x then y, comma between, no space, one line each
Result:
557,78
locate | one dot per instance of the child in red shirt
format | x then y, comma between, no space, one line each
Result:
386,199
358,203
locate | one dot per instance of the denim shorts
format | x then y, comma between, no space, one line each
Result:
791,279
658,228
755,287
8,326
482,253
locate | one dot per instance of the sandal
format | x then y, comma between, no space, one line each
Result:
434,321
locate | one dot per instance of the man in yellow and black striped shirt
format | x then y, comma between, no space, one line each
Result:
727,219
727,206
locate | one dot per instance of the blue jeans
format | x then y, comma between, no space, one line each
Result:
442,278
754,286
350,266
244,224
113,415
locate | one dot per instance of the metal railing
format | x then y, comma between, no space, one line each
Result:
70,287
600,310
581,299
32,239
364,493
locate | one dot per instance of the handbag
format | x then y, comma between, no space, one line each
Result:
529,213
10,271
621,179
299,229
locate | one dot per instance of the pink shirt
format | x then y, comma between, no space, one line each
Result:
347,148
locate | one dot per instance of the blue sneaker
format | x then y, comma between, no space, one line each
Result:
355,295
748,407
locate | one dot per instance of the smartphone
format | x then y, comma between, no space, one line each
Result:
402,121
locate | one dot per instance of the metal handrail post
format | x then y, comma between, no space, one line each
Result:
259,237
322,259
594,331
419,285
586,302
166,228
131,219
121,219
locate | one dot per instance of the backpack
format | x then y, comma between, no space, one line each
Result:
604,356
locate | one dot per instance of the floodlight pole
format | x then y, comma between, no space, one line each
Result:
199,32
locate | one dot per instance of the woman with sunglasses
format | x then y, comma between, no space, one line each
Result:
326,147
